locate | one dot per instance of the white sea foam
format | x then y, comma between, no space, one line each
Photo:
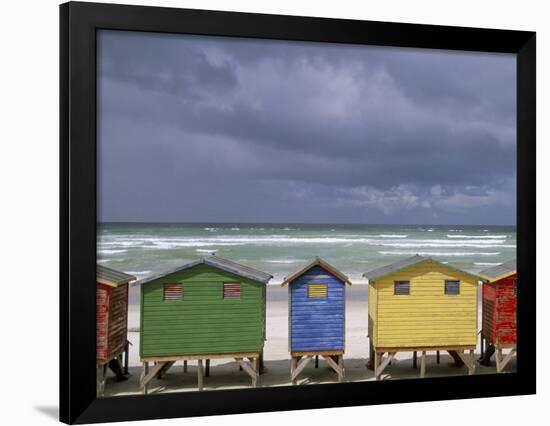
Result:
441,244
285,261
486,263
104,251
235,229
384,240
435,253
496,237
205,250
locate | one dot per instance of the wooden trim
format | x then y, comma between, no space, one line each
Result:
313,353
201,356
424,348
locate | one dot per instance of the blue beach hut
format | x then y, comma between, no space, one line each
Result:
317,302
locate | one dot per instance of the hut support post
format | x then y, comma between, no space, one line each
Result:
423,365
262,365
293,365
126,357
316,361
382,364
207,368
370,362
250,370
200,374
144,373
377,356
501,363
101,376
148,374
185,366
299,366
437,360
337,366
468,360
414,360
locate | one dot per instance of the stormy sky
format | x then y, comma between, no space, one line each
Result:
206,129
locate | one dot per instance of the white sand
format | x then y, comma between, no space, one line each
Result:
225,374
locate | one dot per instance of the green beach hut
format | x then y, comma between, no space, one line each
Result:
210,308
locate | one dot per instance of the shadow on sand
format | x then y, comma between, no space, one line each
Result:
226,375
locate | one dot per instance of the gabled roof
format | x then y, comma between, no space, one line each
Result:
499,272
216,262
403,264
111,277
317,262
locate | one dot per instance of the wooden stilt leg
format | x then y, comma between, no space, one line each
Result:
471,367
377,356
262,366
414,359
437,357
160,373
207,369
293,365
256,368
145,371
101,373
126,357
341,365
498,359
200,375
423,364
370,362
185,366
316,361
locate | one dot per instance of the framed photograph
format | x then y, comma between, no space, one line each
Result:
264,212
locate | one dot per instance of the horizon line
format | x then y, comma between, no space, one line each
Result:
294,223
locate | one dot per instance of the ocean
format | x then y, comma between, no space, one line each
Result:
279,249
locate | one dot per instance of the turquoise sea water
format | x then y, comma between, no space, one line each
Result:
145,248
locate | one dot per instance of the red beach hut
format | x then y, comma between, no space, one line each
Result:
499,313
111,322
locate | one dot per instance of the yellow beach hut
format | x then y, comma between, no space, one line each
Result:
419,305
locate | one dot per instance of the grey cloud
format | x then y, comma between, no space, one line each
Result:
310,123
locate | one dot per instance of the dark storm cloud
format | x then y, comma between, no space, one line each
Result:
244,130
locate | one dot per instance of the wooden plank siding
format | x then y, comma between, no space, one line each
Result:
111,320
499,311
427,317
102,322
202,322
372,306
317,323
118,324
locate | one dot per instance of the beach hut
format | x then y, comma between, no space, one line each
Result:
419,305
499,313
317,299
111,323
209,308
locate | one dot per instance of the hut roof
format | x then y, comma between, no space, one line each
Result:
402,264
499,272
317,262
216,262
111,277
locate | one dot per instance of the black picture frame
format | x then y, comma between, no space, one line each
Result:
78,25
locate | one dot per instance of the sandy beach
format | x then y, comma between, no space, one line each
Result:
225,374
